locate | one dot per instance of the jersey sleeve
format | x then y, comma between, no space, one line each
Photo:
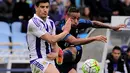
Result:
83,23
36,29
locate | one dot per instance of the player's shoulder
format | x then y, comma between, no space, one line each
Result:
30,21
83,20
50,20
34,21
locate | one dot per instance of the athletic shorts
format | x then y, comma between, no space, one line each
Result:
79,53
68,57
68,62
66,67
40,65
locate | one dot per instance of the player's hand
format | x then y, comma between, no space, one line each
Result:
118,27
52,55
100,38
67,26
21,17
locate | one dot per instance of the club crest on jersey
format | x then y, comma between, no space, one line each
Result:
44,62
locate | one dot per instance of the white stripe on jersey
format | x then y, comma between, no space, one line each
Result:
36,28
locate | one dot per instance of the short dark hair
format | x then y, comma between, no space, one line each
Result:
116,48
72,9
37,2
128,50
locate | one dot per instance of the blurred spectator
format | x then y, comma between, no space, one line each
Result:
68,4
22,12
124,49
127,59
86,13
114,62
54,13
51,1
125,8
94,9
1,0
108,8
114,5
6,9
33,7
93,4
72,2
61,6
78,3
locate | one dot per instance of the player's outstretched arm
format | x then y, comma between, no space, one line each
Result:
104,25
80,41
54,38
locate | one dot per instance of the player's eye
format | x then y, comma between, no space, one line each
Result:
78,18
47,6
42,6
118,53
73,17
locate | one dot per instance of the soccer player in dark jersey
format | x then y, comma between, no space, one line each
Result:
71,45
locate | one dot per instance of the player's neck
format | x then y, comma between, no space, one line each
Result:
44,19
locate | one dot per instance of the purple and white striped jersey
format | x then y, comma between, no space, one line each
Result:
36,28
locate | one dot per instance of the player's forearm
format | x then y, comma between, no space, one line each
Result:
60,36
55,47
53,38
101,25
54,53
83,41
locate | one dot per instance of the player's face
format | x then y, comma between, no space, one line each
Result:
74,18
116,54
42,10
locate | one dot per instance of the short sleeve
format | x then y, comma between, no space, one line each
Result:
65,38
36,29
83,23
88,22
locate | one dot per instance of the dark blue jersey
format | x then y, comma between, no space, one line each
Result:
83,24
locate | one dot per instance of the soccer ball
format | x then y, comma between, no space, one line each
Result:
91,66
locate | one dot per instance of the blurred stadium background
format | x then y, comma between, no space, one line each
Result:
13,25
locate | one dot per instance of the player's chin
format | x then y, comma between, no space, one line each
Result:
74,25
44,16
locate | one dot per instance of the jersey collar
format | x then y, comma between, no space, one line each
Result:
40,18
